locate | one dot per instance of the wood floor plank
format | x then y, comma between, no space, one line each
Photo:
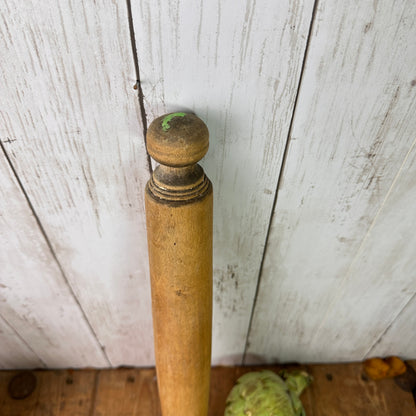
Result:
127,392
63,392
337,390
340,390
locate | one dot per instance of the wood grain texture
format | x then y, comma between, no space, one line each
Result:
237,67
63,392
129,392
42,318
14,353
400,337
339,265
69,120
387,260
337,390
179,231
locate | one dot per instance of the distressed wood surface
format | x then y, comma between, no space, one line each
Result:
14,353
69,121
385,266
63,392
337,390
340,262
338,276
127,392
344,389
237,68
400,336
39,318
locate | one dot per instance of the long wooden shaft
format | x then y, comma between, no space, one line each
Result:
179,228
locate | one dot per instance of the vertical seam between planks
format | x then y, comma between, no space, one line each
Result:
51,249
138,85
381,336
94,392
22,339
282,167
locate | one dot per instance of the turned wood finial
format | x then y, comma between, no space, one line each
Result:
177,139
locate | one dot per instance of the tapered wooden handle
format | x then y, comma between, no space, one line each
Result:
179,231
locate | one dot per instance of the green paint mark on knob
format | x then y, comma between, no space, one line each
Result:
168,118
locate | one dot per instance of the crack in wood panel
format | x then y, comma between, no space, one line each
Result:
399,337
52,251
15,352
32,290
138,84
282,167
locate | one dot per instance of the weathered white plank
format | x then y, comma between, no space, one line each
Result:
34,296
236,66
331,284
70,123
381,278
400,338
390,253
14,353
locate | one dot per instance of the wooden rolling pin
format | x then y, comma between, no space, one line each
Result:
179,232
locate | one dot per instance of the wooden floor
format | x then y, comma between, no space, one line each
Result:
337,390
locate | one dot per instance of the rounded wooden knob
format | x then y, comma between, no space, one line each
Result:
177,139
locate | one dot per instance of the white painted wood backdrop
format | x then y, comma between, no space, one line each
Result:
311,110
